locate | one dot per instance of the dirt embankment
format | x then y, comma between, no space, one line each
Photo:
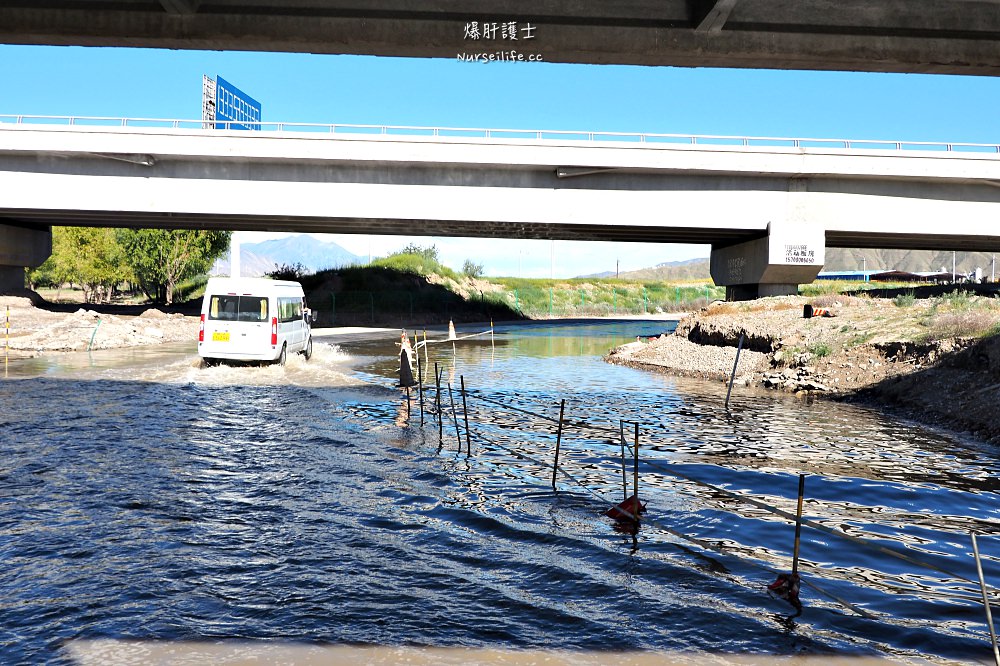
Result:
938,359
36,329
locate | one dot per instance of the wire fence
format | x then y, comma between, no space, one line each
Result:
530,435
525,301
395,305
605,300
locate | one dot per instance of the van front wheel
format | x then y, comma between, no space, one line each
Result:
284,354
308,351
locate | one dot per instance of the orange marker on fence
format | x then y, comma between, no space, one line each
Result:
808,312
627,511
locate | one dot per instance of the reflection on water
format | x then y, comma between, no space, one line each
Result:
894,485
145,498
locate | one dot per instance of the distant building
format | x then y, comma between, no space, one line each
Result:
860,276
887,276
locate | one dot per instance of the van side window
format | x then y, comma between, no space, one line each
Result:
289,308
238,308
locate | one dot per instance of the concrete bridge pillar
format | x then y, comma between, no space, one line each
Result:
21,247
791,254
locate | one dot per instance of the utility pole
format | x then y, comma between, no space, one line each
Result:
616,269
953,267
235,269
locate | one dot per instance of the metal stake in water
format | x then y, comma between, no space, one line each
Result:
454,414
635,472
798,525
6,345
986,599
621,436
465,412
555,463
91,343
437,400
420,385
732,377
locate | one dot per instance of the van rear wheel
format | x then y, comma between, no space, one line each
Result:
284,354
308,351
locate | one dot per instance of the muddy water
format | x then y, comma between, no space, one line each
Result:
144,498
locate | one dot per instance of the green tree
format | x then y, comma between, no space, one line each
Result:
429,253
88,256
472,269
161,258
294,271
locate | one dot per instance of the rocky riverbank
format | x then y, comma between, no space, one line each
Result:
35,329
937,359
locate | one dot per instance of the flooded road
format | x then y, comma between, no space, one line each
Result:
144,498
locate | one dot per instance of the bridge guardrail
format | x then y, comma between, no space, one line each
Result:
517,134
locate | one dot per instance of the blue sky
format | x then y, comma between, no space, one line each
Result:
449,93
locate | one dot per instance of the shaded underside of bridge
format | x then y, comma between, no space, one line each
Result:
356,225
954,37
34,219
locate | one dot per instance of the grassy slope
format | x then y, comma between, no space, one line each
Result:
411,288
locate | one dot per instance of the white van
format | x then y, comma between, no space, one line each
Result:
253,319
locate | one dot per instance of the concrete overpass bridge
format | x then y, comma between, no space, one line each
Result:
933,36
768,206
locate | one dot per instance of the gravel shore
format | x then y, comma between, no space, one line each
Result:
36,330
678,355
936,360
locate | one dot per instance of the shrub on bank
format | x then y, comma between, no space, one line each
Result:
962,324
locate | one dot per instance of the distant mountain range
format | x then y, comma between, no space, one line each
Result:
257,259
913,261
688,269
837,259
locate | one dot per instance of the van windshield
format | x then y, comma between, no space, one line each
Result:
232,307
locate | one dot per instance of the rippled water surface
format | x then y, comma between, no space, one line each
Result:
142,497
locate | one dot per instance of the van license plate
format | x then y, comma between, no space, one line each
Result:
218,336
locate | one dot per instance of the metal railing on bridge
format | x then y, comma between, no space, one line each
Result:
340,130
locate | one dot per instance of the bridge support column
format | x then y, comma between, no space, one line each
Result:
791,254
21,247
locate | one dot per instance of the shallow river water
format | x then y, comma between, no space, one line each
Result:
143,498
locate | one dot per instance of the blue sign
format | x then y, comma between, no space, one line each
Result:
234,109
